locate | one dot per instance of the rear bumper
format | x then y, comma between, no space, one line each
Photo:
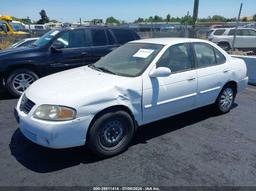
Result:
242,84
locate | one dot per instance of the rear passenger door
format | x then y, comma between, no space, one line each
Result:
102,43
249,38
213,71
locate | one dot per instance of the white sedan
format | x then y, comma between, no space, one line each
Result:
142,81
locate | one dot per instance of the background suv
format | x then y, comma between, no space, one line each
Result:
245,39
56,51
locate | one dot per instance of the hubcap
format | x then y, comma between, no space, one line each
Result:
112,133
226,99
22,81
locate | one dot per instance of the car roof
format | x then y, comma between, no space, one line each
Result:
232,28
94,27
168,41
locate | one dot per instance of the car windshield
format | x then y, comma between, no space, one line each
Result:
17,26
46,38
128,60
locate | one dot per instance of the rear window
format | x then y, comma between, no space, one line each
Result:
123,36
219,32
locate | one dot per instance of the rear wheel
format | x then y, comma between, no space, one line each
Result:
225,99
225,46
19,80
111,133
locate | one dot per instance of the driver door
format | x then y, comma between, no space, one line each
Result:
167,96
75,52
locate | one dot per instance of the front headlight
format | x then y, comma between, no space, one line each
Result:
54,113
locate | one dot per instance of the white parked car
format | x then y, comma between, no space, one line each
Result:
142,81
24,42
245,39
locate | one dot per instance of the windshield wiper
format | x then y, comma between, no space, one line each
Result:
101,69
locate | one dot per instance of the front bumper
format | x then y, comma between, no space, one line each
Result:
49,134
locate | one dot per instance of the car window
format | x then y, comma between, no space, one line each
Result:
219,32
74,39
249,32
205,55
123,36
79,38
111,39
238,33
177,58
220,58
130,59
27,43
99,37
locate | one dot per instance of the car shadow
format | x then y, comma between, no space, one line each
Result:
43,160
4,95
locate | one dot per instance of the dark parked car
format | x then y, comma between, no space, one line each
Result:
56,51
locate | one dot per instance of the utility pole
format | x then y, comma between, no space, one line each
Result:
186,26
237,24
195,12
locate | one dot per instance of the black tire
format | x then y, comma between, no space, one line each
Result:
98,136
12,84
225,99
225,46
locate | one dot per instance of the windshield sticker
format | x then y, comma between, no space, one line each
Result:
54,33
143,53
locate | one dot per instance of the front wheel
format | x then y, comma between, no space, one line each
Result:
111,133
19,80
225,99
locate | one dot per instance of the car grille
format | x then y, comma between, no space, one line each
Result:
26,104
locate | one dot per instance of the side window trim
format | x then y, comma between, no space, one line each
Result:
112,35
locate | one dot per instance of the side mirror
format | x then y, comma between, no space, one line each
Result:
160,72
56,47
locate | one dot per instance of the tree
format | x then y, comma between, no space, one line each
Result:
44,18
139,20
112,20
254,17
218,18
244,19
168,18
187,19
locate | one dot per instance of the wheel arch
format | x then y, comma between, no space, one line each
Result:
111,109
232,84
20,67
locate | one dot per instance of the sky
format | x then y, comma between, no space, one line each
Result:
129,10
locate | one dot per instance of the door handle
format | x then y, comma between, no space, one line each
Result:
84,53
191,78
226,71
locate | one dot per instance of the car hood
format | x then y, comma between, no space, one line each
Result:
82,86
15,51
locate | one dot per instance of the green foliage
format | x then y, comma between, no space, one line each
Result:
187,20
244,19
23,20
44,18
112,20
168,18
